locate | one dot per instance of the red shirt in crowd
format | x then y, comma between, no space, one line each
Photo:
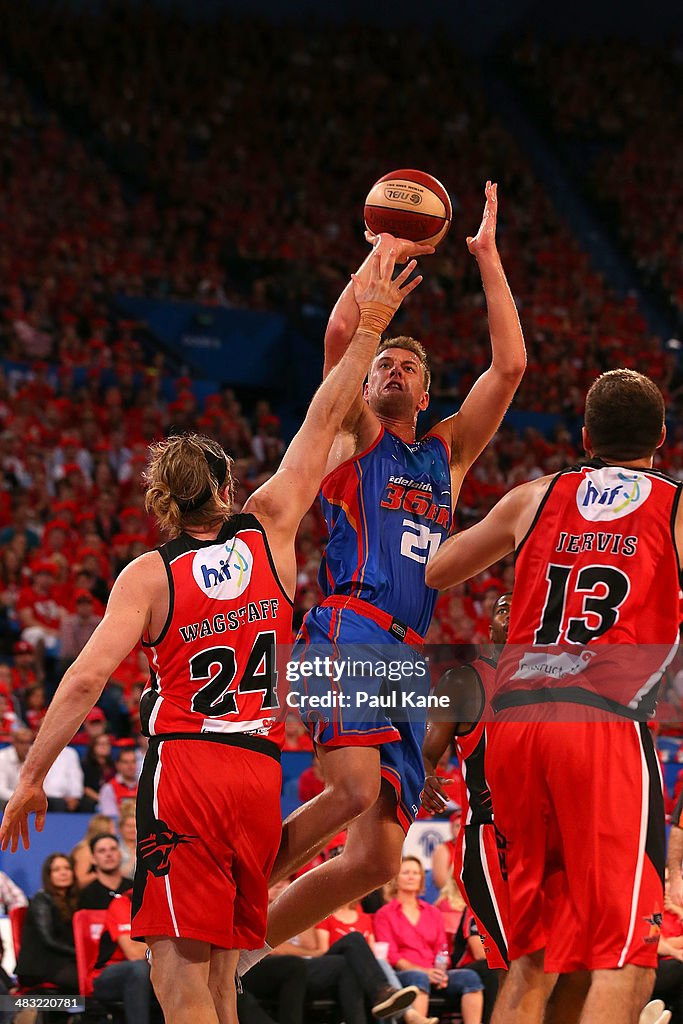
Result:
337,929
420,943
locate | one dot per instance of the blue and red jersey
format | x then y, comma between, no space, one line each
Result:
387,510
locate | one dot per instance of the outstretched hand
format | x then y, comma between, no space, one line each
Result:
403,248
379,286
484,242
26,799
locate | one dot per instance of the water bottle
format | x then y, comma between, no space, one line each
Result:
443,959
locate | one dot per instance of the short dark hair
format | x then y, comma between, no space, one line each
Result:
123,750
624,415
410,345
101,835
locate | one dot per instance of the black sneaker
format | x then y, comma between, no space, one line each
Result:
390,1001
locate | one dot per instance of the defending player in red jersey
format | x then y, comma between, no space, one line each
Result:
210,606
475,859
575,781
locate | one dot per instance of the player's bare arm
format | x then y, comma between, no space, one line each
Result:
361,425
461,687
125,621
500,532
344,317
283,500
469,430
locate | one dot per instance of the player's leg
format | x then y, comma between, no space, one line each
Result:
525,993
222,984
352,779
618,995
566,1002
610,928
180,977
371,856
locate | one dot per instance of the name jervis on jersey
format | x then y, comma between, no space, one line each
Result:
254,611
610,493
614,543
223,571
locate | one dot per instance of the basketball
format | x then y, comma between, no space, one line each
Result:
409,204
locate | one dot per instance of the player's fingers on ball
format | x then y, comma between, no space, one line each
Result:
389,263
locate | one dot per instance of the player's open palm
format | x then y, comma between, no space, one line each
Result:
484,242
24,801
380,286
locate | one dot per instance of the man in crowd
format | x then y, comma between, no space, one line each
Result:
124,785
106,855
121,971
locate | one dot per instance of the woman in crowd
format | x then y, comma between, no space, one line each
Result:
47,943
98,768
352,918
418,947
81,856
127,837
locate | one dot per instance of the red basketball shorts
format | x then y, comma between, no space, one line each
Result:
209,827
479,871
580,806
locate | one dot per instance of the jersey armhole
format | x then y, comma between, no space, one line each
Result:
674,513
262,530
171,601
482,697
353,458
534,521
444,442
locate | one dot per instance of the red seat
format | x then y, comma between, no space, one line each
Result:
88,926
17,916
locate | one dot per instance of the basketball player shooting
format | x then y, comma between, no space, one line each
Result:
381,532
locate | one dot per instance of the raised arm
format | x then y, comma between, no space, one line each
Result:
283,500
469,430
467,553
345,315
125,620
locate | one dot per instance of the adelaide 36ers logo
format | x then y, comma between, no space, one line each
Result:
611,493
223,571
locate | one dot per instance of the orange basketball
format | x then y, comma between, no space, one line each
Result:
409,204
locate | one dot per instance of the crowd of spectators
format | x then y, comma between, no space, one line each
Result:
616,106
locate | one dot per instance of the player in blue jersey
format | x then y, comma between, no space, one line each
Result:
388,500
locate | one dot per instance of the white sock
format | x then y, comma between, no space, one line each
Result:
250,957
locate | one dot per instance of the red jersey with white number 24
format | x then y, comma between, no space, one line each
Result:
213,667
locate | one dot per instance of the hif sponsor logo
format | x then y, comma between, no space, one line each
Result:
611,493
223,572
